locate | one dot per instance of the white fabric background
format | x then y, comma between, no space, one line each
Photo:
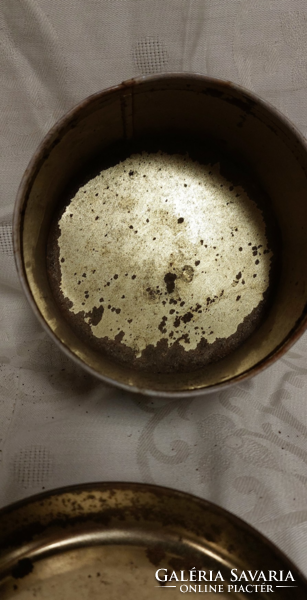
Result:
244,448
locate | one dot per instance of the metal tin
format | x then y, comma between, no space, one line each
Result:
160,234
133,541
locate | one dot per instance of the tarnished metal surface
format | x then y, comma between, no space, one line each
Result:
110,540
142,357
162,247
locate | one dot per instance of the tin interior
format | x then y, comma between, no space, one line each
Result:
191,108
109,541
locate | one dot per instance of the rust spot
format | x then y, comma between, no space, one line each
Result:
119,336
23,568
177,322
170,279
188,273
95,315
162,327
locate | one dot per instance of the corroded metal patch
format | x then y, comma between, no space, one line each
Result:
162,261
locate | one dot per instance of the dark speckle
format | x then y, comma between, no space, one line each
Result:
239,275
115,276
133,277
162,327
170,282
238,298
257,262
180,220
119,336
131,173
96,315
197,262
23,568
83,274
187,317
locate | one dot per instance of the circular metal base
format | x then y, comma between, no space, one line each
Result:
128,540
